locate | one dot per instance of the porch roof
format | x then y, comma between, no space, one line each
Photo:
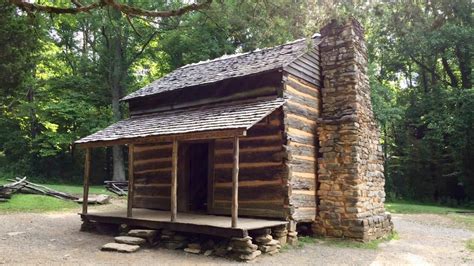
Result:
223,120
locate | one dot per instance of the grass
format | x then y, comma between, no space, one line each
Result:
36,203
40,203
456,214
342,243
413,207
470,245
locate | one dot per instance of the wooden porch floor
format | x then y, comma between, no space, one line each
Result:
186,222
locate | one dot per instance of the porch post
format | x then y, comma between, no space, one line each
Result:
130,180
87,172
235,182
174,180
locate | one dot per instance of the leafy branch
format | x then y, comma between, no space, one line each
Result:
124,8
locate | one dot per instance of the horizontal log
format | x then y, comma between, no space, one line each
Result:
273,192
151,160
158,203
304,214
303,200
251,150
148,154
147,147
161,170
298,183
254,204
250,183
152,165
251,174
153,178
247,165
297,124
302,166
307,140
303,175
299,109
304,103
300,150
305,93
303,88
251,143
303,119
153,191
255,157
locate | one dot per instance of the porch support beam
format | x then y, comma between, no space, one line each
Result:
87,173
174,181
235,182
130,180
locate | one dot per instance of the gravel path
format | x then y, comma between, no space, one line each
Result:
55,239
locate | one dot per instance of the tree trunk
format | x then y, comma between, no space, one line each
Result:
116,76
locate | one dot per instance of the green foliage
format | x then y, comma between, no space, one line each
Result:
409,207
63,74
61,77
36,203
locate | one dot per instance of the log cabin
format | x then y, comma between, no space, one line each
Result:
274,137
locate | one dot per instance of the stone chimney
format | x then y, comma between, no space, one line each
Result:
350,168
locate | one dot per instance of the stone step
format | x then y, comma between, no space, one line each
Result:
125,248
131,240
143,233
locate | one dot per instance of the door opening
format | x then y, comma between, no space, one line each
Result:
197,176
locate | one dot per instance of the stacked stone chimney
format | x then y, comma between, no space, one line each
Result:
350,168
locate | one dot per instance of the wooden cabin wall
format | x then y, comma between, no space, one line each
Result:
152,170
251,87
300,121
262,174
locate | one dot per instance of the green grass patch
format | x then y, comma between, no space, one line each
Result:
36,203
374,244
470,245
77,189
464,220
412,207
39,203
342,243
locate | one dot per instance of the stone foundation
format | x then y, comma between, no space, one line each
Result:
350,168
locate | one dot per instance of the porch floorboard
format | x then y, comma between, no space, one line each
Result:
186,222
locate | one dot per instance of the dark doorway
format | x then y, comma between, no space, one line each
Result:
197,176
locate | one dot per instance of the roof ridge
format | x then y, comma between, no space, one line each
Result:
227,56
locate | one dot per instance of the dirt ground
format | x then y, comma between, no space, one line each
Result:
55,238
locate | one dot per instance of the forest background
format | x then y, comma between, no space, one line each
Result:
61,76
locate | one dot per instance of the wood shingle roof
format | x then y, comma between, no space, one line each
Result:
226,67
234,115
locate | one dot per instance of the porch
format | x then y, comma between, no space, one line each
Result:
179,128
185,222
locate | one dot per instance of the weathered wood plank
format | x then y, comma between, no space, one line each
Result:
158,203
254,157
153,153
256,193
235,183
87,173
174,182
152,165
250,174
130,180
